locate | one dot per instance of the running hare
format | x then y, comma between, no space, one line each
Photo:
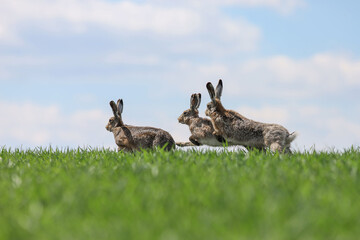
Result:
201,128
240,130
131,138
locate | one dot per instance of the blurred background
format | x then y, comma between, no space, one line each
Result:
292,62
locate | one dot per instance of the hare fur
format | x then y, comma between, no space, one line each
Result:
238,129
201,128
131,138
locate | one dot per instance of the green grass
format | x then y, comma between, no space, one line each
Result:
101,194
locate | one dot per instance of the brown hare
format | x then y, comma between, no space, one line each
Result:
240,130
201,128
131,138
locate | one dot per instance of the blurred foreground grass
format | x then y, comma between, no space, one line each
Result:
101,194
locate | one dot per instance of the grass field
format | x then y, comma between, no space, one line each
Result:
102,194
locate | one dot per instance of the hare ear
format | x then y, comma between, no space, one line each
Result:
198,97
211,91
120,106
193,101
114,109
219,89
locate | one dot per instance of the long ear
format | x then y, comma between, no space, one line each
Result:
211,91
114,109
219,89
120,106
193,101
198,97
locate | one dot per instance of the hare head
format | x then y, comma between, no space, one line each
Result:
116,120
215,95
192,112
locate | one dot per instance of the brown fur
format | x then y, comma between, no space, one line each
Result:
238,129
201,128
131,138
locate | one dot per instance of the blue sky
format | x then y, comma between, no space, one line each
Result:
293,62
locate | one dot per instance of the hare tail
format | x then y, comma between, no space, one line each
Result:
291,137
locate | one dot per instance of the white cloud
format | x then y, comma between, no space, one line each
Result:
343,130
316,70
131,59
279,77
320,74
282,6
194,29
266,114
325,127
79,15
15,60
31,125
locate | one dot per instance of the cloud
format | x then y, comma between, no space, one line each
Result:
178,27
316,70
267,114
321,74
282,6
36,125
131,59
80,15
326,127
277,77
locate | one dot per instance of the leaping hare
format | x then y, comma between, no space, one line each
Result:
201,128
131,138
240,130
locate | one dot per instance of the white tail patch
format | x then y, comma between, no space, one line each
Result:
291,137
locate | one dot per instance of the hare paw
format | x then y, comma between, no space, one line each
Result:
194,141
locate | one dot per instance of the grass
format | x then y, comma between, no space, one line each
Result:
101,194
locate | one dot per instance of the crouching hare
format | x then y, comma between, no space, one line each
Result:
201,128
240,130
131,138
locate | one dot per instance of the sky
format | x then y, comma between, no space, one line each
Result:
291,62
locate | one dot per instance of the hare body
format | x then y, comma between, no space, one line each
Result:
202,132
201,128
132,138
238,129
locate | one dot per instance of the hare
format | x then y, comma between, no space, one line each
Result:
201,128
243,131
131,138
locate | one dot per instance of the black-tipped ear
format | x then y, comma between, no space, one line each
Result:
120,106
219,89
114,109
211,91
193,101
198,97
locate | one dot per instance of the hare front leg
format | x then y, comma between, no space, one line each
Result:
124,149
193,140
